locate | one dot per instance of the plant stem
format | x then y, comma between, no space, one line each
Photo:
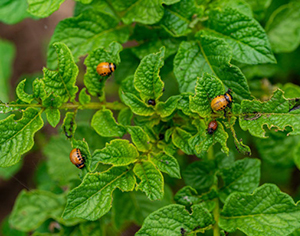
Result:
216,214
92,105
210,154
216,211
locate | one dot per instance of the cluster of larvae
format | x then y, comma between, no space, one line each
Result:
219,103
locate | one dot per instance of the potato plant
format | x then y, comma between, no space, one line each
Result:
149,158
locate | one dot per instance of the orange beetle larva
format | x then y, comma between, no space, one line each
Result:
76,158
105,68
220,102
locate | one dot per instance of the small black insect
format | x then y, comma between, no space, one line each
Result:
182,231
151,102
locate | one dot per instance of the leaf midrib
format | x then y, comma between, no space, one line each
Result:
16,134
100,189
253,215
236,41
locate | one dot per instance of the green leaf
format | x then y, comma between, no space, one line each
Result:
203,140
86,132
43,8
128,65
282,155
52,103
265,212
143,11
239,145
139,138
295,233
91,228
187,66
296,156
38,91
147,122
175,219
127,86
125,116
245,35
283,28
62,81
243,176
219,64
188,196
93,197
105,125
170,2
259,5
87,32
17,135
43,180
207,87
151,39
7,230
152,182
290,90
93,7
224,161
272,113
136,105
165,109
136,206
9,172
177,18
122,5
33,208
7,53
200,174
36,233
13,11
166,163
53,116
146,78
211,55
240,5
84,1
69,126
59,166
118,152
150,132
92,80
180,139
84,98
184,104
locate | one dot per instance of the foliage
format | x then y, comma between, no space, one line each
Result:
136,149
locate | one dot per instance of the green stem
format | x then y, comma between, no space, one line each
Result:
216,214
92,105
216,211
210,153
